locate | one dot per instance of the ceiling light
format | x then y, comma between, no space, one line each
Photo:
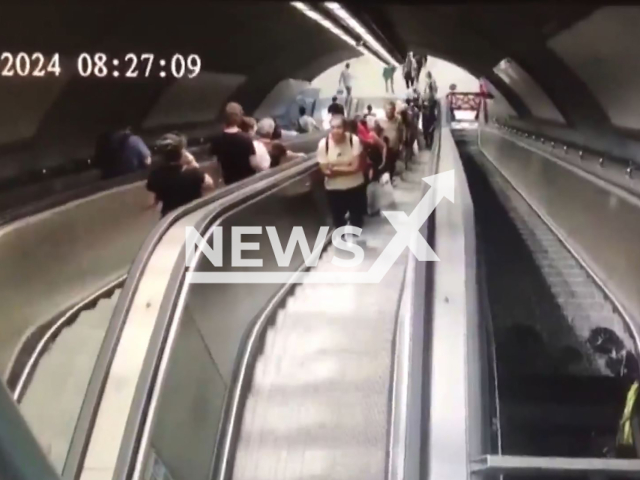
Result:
329,25
360,30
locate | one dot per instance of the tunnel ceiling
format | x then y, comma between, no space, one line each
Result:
261,43
477,37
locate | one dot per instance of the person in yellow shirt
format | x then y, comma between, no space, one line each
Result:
339,155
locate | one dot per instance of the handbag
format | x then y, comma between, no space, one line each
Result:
340,92
380,197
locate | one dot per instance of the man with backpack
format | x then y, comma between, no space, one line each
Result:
120,153
339,155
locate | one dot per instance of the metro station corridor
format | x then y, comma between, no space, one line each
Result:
484,323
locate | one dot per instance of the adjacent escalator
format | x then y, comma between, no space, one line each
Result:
564,357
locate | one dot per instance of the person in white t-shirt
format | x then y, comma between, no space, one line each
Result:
346,80
339,155
261,161
306,123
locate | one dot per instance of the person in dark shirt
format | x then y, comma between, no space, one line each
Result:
277,132
335,108
233,148
121,152
177,181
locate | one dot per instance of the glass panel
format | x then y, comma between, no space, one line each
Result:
53,399
189,408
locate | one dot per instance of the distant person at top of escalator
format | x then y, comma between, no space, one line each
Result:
369,113
430,88
387,73
233,148
335,108
261,161
178,180
346,80
121,152
306,123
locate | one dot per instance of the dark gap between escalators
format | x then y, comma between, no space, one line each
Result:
549,405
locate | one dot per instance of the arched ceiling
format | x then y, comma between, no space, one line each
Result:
477,37
265,42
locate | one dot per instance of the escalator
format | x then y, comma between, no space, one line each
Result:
317,404
564,355
62,357
247,372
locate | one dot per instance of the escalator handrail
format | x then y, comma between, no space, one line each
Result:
105,357
409,389
137,414
14,214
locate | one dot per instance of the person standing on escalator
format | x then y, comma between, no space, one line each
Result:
335,108
393,130
178,180
120,152
409,70
233,148
346,81
421,61
340,159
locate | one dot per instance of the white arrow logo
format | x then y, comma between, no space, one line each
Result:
407,235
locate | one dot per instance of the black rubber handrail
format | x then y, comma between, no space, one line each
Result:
94,187
99,375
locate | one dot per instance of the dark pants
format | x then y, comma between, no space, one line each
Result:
428,132
390,161
409,80
353,201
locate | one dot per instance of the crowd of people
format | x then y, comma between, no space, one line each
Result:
243,148
357,155
361,153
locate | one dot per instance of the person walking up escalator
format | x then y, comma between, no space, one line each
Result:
409,70
387,73
346,80
392,129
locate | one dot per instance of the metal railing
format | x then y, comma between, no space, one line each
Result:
29,354
567,147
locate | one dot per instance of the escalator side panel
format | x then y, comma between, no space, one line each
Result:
602,228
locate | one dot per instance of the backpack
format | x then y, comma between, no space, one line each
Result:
326,143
